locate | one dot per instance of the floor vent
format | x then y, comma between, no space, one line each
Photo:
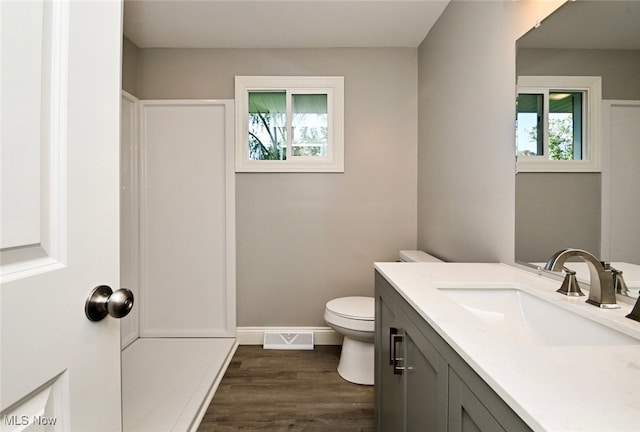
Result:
288,341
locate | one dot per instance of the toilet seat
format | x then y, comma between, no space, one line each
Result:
355,308
352,314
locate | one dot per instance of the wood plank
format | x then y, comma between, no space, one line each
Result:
278,390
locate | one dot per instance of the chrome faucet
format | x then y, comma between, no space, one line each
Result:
602,291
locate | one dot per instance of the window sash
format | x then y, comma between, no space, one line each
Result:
329,95
545,112
331,160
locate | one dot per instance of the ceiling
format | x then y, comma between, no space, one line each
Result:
588,24
279,24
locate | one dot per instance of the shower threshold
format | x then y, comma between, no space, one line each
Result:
167,383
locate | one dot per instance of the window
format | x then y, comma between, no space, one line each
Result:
558,124
289,124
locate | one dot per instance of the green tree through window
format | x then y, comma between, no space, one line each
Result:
561,138
267,126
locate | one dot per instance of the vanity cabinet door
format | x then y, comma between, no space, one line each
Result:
411,376
466,412
425,376
389,391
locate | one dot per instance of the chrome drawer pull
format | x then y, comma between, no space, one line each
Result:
398,362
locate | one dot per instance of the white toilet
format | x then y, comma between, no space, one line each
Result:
353,317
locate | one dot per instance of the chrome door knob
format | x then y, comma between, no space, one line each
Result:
103,301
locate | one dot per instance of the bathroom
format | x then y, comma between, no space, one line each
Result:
399,159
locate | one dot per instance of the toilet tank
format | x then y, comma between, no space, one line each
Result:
417,256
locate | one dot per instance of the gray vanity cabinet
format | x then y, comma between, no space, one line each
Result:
422,384
411,376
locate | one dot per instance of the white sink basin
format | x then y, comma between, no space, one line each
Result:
515,312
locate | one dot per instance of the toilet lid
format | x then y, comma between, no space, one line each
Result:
360,308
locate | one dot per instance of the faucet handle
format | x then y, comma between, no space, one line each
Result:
570,286
635,313
619,283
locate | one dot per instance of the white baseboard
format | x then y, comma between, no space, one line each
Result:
255,335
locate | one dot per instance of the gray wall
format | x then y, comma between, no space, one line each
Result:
129,67
306,238
619,69
303,239
571,217
555,211
466,162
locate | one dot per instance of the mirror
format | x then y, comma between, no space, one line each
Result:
595,211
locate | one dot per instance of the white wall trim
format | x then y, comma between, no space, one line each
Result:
255,335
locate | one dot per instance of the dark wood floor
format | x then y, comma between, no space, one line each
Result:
279,390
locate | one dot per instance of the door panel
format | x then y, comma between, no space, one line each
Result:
466,411
21,64
425,381
65,110
32,136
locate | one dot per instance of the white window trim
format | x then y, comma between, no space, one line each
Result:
592,160
332,86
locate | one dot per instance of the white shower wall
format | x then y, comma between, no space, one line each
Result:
187,241
129,220
177,218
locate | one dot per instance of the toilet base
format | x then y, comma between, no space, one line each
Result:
357,361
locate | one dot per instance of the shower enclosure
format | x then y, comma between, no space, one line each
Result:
178,257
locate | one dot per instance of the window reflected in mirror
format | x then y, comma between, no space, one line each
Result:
556,136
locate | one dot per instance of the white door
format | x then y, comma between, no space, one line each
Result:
60,166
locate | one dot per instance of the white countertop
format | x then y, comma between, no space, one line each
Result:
552,388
